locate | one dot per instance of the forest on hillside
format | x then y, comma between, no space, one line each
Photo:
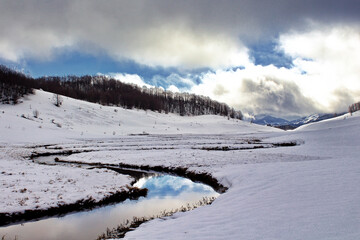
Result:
108,91
354,107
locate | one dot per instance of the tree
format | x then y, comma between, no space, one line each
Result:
36,113
57,99
108,91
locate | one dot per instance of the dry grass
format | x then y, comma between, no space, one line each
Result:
127,226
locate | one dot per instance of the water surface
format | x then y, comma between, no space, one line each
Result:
166,192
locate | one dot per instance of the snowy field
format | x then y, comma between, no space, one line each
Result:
27,185
307,191
37,120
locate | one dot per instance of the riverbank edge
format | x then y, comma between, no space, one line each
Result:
202,177
132,193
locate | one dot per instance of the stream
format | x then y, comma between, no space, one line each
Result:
165,193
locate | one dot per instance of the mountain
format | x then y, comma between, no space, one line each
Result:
286,125
270,120
314,118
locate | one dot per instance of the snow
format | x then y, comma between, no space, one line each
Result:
28,185
308,191
80,119
270,202
311,197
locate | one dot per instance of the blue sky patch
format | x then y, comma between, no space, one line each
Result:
265,53
70,62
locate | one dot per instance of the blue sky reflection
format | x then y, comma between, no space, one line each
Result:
163,186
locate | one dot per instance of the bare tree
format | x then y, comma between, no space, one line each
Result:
36,113
57,99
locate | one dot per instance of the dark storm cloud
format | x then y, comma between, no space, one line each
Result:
146,30
276,96
343,99
179,37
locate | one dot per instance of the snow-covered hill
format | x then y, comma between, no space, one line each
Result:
313,118
38,119
307,191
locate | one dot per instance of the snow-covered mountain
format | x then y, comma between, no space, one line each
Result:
314,118
283,123
270,120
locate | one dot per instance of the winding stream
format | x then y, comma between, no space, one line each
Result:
165,193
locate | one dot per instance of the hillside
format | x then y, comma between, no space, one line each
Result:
303,192
36,118
299,184
110,92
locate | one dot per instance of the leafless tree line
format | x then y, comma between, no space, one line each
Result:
108,91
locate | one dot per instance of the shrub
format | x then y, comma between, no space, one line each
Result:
36,113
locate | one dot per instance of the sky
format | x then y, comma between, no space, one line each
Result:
285,58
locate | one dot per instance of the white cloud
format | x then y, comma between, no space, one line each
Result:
196,34
185,48
188,34
173,89
130,78
257,89
21,41
330,59
184,83
7,52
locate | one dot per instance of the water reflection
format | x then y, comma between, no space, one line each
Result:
165,193
167,185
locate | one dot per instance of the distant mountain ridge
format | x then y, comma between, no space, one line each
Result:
270,120
286,125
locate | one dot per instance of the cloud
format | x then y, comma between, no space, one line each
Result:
130,78
186,49
272,95
331,59
32,29
183,83
257,89
138,31
324,76
173,88
343,98
184,34
219,90
320,38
